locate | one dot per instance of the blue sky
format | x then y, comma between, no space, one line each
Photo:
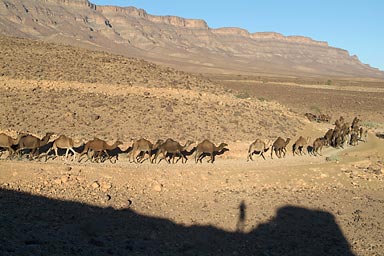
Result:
354,25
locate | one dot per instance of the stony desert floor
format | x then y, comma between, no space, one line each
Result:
298,205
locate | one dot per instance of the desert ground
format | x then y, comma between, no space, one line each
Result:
297,205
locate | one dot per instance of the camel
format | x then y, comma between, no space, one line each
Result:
355,122
143,146
337,138
318,146
258,147
363,134
7,142
300,143
98,146
174,148
279,146
31,142
208,147
354,140
63,142
339,122
328,137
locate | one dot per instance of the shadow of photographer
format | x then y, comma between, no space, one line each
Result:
36,225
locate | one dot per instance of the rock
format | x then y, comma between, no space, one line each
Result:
169,108
95,117
80,178
95,185
125,205
105,186
57,181
64,179
107,198
157,187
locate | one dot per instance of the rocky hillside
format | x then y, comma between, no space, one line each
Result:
82,93
183,43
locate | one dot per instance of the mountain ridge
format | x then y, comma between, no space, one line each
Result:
188,44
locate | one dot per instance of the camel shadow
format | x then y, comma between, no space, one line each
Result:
38,225
218,153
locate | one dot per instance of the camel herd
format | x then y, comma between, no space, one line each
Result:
171,151
341,135
97,150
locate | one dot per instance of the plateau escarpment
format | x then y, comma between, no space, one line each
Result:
188,44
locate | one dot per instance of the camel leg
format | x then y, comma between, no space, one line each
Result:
132,155
47,154
249,156
164,156
32,153
150,156
134,160
200,158
66,154
74,153
106,152
156,156
197,154
185,158
11,152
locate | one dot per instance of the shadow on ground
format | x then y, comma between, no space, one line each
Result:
35,225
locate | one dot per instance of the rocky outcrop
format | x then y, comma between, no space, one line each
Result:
174,40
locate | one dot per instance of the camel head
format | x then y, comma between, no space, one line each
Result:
223,145
287,141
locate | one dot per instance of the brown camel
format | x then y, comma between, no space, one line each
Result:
174,148
7,142
258,147
143,146
279,146
33,143
63,142
98,146
207,147
299,145
318,146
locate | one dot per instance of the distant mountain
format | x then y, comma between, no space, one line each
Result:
187,44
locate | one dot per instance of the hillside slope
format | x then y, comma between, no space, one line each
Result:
82,93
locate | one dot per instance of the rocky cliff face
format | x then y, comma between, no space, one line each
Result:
188,44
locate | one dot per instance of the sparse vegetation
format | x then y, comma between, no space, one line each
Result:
315,109
371,124
243,95
262,99
333,158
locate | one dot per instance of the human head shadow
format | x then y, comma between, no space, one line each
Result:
39,225
300,231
